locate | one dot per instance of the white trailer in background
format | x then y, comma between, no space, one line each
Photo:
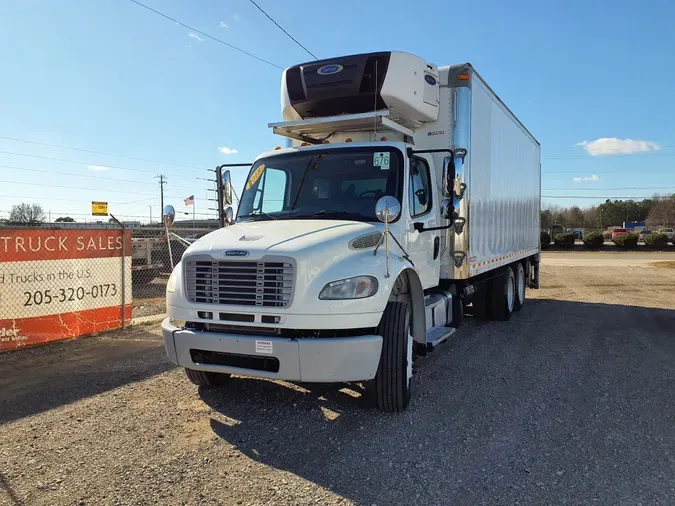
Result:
410,194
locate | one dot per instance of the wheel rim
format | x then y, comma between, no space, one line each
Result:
521,285
510,293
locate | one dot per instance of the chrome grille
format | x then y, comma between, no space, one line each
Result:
266,284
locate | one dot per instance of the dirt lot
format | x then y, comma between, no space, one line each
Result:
570,402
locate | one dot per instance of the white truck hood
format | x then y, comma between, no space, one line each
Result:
280,236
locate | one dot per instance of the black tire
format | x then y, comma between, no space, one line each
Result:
206,378
391,384
457,312
519,300
480,301
503,294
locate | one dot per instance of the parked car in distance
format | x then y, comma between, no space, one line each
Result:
644,233
617,232
670,234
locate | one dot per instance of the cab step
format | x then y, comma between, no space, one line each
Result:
437,335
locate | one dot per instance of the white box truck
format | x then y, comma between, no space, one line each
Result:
410,193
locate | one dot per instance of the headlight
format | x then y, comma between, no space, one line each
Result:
171,284
358,287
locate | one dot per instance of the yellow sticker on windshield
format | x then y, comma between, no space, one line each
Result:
255,176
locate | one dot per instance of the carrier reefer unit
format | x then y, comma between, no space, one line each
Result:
410,194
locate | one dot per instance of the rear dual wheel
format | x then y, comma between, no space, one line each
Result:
499,297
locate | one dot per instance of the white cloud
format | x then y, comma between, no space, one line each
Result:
586,178
224,25
614,146
195,36
98,168
236,17
227,151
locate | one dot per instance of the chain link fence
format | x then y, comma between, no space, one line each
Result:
151,264
59,282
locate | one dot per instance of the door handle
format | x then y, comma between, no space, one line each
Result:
437,246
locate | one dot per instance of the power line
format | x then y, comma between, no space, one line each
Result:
621,197
609,189
282,29
206,34
125,192
599,157
90,163
46,171
15,139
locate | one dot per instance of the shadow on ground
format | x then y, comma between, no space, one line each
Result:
37,379
566,403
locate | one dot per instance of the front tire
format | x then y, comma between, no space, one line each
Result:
206,378
521,287
394,372
503,294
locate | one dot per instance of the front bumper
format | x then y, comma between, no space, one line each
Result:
331,360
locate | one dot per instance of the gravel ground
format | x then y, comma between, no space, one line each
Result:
570,402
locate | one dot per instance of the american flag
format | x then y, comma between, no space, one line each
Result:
190,201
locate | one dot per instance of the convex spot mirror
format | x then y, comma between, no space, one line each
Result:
169,215
387,209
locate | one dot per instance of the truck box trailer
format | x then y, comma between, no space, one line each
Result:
410,193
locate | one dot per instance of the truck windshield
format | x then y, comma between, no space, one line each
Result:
338,183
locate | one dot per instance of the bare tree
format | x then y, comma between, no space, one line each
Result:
26,213
662,214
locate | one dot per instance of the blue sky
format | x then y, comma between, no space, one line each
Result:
109,76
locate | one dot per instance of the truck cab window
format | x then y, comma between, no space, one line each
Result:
419,189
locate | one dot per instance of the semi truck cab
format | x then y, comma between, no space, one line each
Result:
350,255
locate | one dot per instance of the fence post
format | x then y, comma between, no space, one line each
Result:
124,261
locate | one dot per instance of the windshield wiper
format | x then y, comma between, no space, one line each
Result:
330,213
258,214
302,181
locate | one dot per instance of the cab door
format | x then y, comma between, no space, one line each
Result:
422,209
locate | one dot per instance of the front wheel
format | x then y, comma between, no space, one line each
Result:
394,372
206,378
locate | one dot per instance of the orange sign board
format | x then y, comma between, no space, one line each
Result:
60,284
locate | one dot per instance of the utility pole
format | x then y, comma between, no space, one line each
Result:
162,182
150,214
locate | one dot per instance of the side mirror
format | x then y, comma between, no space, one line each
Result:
169,215
227,188
229,216
387,209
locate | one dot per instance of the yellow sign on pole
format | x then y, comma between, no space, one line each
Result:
99,208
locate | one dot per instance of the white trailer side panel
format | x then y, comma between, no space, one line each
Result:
504,187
